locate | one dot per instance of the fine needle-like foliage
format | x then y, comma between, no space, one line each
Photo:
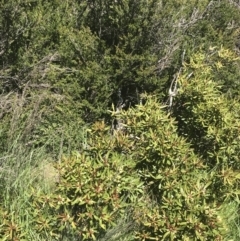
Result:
163,164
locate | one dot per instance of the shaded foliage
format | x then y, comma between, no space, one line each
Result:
173,167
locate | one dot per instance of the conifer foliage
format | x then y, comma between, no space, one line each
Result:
166,72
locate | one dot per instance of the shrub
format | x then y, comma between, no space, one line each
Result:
94,190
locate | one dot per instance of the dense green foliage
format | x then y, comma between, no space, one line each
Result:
166,73
86,206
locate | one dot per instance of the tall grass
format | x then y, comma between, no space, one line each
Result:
25,169
229,213
19,175
22,172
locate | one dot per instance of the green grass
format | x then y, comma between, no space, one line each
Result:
230,215
17,181
25,171
22,173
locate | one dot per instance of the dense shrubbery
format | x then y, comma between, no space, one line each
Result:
94,191
171,171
